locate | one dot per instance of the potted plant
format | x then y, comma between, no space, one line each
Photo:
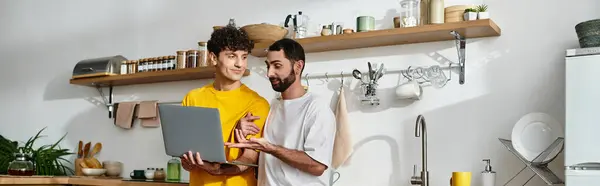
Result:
470,14
482,12
47,159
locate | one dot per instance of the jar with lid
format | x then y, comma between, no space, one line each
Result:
143,65
192,59
149,173
181,59
410,13
124,67
172,63
161,63
174,169
134,66
202,54
326,30
21,166
159,174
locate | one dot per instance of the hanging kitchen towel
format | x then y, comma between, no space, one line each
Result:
148,114
124,117
342,147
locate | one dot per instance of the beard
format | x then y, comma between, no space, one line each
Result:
283,84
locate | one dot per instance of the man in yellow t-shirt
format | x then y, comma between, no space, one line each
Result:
228,51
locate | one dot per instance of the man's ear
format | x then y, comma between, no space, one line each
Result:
298,66
213,59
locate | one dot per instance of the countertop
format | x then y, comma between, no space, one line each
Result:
79,180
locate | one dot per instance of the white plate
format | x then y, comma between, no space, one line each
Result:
533,133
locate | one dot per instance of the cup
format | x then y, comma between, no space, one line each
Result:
460,179
409,90
137,174
365,23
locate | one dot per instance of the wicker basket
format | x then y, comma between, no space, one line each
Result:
588,33
260,33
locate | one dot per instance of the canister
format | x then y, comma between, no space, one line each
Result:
365,23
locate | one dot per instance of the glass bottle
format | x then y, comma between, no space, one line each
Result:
21,166
174,169
202,54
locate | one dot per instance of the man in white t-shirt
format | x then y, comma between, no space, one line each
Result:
300,129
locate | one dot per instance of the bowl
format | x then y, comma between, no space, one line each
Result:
113,168
260,33
93,171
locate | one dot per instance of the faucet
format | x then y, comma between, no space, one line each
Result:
421,131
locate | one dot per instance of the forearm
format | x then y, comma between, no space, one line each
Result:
298,159
248,156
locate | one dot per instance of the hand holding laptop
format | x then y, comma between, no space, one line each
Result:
192,161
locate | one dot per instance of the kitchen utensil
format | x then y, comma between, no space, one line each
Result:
300,24
86,149
137,174
379,73
80,149
533,133
260,33
409,90
356,73
370,72
97,148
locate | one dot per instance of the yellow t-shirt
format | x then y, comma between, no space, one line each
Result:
233,105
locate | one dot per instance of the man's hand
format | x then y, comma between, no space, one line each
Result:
246,125
191,162
260,144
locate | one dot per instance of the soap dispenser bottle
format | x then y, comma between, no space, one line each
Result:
488,177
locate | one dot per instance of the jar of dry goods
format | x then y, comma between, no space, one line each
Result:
134,66
123,67
202,54
192,59
172,63
181,60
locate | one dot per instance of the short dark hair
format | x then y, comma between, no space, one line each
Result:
292,50
229,38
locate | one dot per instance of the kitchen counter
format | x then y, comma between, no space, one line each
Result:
79,180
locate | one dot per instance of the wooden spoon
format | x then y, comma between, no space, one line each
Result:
80,150
97,148
86,149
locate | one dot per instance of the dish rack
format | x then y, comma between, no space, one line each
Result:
538,165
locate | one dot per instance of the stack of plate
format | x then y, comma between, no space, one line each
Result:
533,133
455,13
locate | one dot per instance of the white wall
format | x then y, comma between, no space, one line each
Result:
507,77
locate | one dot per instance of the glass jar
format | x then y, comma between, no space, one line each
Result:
192,59
410,13
159,174
21,166
202,54
174,169
326,30
124,67
134,66
181,59
172,63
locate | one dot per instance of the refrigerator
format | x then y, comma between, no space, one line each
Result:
582,116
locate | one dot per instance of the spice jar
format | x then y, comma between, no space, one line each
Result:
161,63
130,67
172,63
159,174
21,166
124,68
134,66
192,59
181,59
202,54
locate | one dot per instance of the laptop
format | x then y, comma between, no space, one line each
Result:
196,129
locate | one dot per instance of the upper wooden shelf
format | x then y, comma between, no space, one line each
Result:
395,36
150,77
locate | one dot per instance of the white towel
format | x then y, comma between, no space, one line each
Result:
342,147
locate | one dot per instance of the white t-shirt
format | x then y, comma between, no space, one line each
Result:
304,124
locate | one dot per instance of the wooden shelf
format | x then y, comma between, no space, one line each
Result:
396,36
150,77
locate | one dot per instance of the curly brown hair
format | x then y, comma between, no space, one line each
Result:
229,38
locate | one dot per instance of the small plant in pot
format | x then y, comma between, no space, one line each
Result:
482,12
470,14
